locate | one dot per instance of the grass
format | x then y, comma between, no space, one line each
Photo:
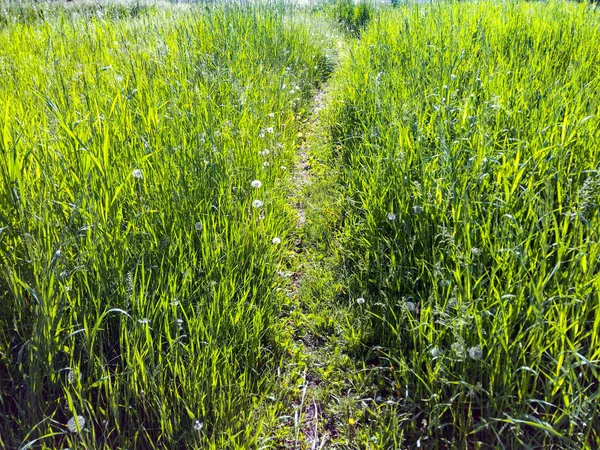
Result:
466,144
138,280
442,294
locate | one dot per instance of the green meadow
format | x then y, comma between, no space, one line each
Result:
308,226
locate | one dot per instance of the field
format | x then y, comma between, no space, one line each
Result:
276,226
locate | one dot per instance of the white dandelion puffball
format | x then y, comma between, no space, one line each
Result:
76,424
391,216
411,306
266,164
475,352
72,377
137,173
198,226
276,240
257,204
360,300
436,352
198,425
256,184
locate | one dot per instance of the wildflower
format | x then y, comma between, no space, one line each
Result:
198,226
276,241
257,204
76,424
391,216
269,130
475,352
360,300
198,425
137,173
256,184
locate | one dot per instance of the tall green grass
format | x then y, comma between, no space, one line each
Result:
137,279
467,138
351,16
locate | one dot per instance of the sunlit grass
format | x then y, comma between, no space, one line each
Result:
137,254
467,140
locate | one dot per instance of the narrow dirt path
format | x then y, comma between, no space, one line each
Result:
308,426
308,412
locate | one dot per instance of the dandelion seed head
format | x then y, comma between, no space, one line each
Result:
198,226
71,377
391,216
266,164
198,425
475,352
76,424
411,306
137,173
360,300
256,184
257,203
436,352
283,168
276,241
